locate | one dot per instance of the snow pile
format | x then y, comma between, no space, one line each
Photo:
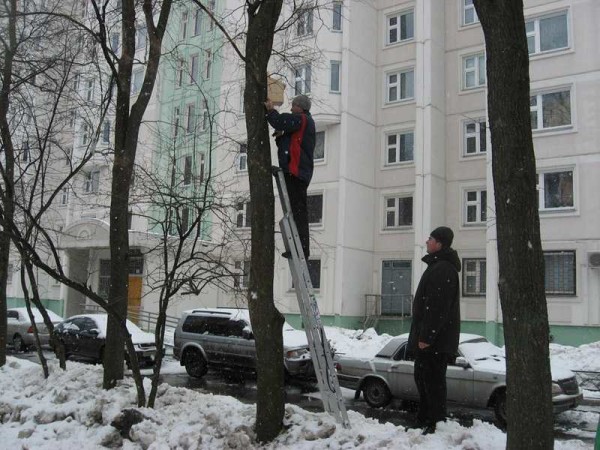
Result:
585,357
70,410
356,343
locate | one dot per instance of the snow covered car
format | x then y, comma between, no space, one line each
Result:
84,337
477,378
223,337
20,330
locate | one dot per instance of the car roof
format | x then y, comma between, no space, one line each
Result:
37,314
231,313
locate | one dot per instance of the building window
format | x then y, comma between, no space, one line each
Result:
400,86
208,65
211,8
184,25
399,147
185,219
25,152
200,168
400,27
555,190
187,170
104,278
242,277
334,84
243,211
90,91
191,118
198,22
319,153
64,196
194,68
474,142
114,42
92,182
474,272
242,159
176,114
398,212
547,33
475,207
180,71
106,132
302,77
559,276
314,270
474,71
469,15
550,110
141,34
9,275
136,81
205,116
314,204
85,134
337,16
304,25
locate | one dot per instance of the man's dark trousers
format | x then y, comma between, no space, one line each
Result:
430,377
297,193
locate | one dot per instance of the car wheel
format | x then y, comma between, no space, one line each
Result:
18,343
195,364
500,408
376,393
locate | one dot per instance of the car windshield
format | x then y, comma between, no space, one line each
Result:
480,350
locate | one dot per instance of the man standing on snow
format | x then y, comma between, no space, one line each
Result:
295,136
435,328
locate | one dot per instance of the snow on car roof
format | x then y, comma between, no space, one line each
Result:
137,335
37,314
464,337
231,313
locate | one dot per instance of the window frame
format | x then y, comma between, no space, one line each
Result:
194,65
241,164
317,137
338,74
336,19
106,128
242,213
464,7
540,186
320,222
536,32
398,85
397,148
198,19
92,181
305,22
241,279
565,293
398,27
395,210
538,108
479,204
302,75
479,274
476,69
187,170
466,135
190,118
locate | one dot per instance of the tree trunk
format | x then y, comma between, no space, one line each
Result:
521,263
7,183
267,321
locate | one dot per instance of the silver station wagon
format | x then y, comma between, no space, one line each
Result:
223,337
477,378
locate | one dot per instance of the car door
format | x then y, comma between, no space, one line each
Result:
241,348
401,374
12,324
67,333
89,343
459,383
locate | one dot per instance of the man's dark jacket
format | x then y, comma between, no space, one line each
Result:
436,307
295,148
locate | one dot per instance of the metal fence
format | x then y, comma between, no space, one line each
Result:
146,320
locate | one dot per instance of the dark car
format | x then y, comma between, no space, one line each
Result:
223,337
84,337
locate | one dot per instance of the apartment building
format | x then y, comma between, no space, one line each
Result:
399,101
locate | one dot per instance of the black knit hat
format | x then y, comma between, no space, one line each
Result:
443,235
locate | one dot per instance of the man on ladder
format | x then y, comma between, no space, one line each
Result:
295,137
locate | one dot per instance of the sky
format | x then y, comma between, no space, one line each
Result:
70,410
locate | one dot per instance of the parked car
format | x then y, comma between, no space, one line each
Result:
20,331
84,337
223,337
477,378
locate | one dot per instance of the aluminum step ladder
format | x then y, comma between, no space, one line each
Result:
319,346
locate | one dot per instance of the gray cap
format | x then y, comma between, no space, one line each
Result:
302,101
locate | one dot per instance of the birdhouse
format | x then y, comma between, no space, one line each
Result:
275,90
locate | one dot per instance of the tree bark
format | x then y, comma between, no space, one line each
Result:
266,320
521,263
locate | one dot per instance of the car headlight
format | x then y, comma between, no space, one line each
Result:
297,354
556,390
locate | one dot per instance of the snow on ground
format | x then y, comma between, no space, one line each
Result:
70,410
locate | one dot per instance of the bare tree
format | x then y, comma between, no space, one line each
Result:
521,264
